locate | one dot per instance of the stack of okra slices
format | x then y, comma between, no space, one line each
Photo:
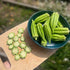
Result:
17,42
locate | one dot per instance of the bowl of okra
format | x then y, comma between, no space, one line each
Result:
49,29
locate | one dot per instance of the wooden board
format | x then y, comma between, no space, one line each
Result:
36,57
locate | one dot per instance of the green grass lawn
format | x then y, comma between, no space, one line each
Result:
11,16
59,61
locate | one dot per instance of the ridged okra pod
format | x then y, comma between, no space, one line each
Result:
57,37
42,18
62,32
34,30
47,30
41,34
61,29
59,24
54,21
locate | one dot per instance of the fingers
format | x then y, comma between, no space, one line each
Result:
7,65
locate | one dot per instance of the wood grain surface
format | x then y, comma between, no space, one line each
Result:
33,59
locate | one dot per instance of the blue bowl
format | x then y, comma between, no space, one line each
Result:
53,45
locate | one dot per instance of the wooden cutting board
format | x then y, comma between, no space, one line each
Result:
33,59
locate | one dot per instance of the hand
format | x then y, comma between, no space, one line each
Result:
7,65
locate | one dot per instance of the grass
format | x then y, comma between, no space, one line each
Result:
11,16
59,61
